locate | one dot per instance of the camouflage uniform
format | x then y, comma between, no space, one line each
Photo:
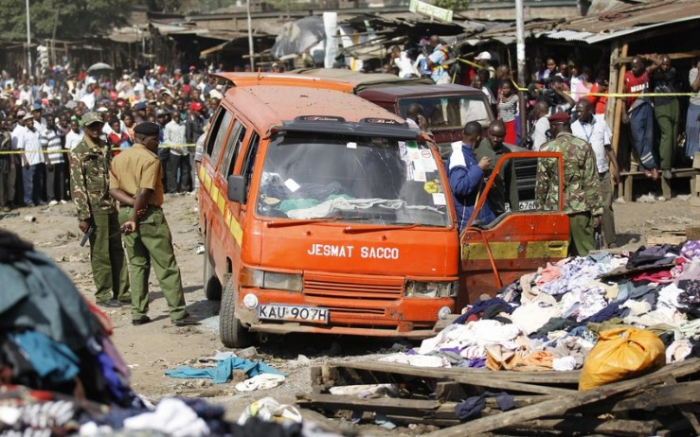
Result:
582,198
89,165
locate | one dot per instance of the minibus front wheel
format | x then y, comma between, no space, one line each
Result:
233,334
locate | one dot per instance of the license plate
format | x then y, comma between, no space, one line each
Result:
293,313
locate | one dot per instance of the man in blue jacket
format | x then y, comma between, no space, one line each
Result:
466,176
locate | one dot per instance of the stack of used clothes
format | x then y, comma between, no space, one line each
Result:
549,319
60,374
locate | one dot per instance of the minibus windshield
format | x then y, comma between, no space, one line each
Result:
356,179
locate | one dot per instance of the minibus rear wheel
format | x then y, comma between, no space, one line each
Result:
233,334
212,285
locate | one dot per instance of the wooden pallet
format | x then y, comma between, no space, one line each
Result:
659,403
627,180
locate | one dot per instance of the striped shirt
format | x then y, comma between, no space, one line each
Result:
51,142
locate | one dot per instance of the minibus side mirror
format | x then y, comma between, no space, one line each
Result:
236,188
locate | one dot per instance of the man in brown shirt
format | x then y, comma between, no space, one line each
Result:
135,180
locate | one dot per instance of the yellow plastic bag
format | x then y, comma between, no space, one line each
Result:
619,354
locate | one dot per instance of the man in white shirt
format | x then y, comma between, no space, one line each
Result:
55,163
26,95
597,133
539,132
179,159
74,136
33,173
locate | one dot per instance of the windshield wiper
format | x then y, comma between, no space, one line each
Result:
373,228
287,223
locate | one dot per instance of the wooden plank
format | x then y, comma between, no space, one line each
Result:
628,181
663,396
483,378
666,188
665,239
544,377
562,404
584,426
414,407
696,160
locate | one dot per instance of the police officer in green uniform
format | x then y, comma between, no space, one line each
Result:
136,181
89,163
582,200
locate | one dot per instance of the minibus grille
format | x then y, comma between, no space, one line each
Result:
353,287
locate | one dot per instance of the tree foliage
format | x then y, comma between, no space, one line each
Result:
455,5
70,19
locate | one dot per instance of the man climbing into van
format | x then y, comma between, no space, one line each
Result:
466,175
439,72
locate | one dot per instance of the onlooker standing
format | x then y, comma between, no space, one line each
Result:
89,162
541,127
33,167
692,125
16,135
74,136
597,133
637,111
503,196
194,128
162,118
135,180
179,160
582,201
7,169
664,80
465,176
55,163
435,62
508,110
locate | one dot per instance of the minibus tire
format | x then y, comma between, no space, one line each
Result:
212,285
233,334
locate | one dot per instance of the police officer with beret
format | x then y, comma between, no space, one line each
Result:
136,182
89,164
582,200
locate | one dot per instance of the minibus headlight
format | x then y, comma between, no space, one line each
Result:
282,281
270,280
430,289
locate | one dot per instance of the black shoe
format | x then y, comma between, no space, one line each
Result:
109,303
141,321
185,321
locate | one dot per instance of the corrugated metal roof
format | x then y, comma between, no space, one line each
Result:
614,23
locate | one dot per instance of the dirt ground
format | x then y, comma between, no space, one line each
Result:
150,349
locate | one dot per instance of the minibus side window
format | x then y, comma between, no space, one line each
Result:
232,147
249,164
220,127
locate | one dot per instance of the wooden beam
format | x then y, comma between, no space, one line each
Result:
617,111
682,55
585,426
562,404
481,378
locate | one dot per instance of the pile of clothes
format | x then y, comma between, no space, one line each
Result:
550,319
60,373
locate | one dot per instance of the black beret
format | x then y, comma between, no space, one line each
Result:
146,128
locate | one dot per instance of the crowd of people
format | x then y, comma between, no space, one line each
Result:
41,123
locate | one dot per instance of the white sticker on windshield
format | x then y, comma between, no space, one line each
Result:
352,145
413,154
429,165
439,199
419,176
292,185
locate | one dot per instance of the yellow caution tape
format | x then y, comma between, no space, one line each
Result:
114,149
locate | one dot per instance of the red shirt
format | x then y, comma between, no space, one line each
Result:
598,102
637,85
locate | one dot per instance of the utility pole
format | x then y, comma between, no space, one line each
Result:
520,50
29,44
250,36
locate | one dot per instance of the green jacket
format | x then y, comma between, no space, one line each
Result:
581,185
89,181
